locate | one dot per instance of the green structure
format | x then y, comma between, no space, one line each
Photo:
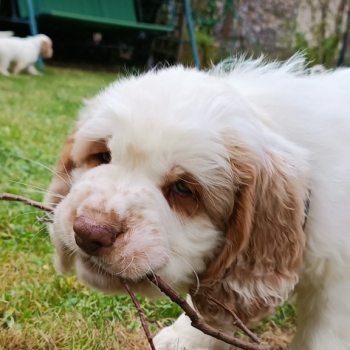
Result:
102,13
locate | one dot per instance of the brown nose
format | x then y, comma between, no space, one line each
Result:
91,235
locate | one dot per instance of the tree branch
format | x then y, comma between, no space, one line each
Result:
39,205
198,323
237,322
141,314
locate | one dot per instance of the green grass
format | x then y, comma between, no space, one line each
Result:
38,308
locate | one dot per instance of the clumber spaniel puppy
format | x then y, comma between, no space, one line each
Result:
23,52
205,178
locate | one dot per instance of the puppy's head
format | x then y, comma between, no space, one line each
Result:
173,173
46,50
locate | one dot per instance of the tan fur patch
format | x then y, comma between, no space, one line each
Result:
91,156
60,184
264,243
135,154
191,206
46,49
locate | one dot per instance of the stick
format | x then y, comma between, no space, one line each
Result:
141,314
198,323
237,322
12,197
42,220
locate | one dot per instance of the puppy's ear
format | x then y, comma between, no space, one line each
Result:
46,49
61,182
259,262
58,189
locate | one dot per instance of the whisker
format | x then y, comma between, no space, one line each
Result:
45,167
41,230
132,260
28,212
39,218
29,185
31,190
65,169
194,271
38,189
150,269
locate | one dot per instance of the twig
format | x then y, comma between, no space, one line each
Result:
141,314
42,220
237,322
12,197
198,323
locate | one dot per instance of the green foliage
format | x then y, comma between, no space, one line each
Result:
326,52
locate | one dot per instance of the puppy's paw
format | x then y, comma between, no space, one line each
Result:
182,336
168,339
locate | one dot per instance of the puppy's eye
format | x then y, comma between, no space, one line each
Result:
104,157
181,189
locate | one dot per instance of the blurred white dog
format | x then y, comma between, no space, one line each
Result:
23,52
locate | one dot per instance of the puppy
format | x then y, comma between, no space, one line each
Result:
23,52
233,183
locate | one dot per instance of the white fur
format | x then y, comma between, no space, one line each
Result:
6,34
177,116
23,52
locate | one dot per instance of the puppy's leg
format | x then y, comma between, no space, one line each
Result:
19,66
4,71
182,336
32,70
4,65
323,315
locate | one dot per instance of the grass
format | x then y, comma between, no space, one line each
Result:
38,308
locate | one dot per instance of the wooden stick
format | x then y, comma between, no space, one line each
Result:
12,197
42,220
198,323
237,322
141,314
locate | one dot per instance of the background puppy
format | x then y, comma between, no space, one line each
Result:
23,52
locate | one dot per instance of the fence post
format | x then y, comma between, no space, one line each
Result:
191,32
33,26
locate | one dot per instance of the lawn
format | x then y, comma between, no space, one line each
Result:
38,308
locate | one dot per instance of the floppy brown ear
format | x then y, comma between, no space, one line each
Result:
258,265
60,184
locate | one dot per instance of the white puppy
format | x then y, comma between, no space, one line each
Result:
23,52
208,175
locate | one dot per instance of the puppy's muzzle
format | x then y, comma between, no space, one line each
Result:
91,235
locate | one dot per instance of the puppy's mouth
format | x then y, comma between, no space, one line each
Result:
107,249
122,270
96,266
